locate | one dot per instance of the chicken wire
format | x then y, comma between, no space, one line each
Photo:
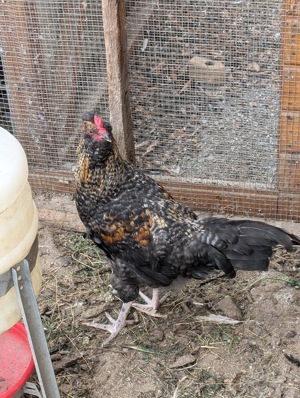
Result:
53,60
217,124
213,88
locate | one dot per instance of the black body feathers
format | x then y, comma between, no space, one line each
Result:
149,237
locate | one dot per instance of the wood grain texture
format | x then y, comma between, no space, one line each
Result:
290,132
216,199
291,41
114,20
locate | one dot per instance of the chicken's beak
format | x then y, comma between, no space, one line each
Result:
107,137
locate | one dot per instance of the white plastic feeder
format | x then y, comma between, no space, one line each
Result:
18,224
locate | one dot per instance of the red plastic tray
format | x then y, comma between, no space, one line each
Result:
16,361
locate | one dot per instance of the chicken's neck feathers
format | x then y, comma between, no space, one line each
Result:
103,178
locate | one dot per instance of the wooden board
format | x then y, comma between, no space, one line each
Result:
289,172
291,41
291,7
289,140
288,207
290,99
290,132
216,199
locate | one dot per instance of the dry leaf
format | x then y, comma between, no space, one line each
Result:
218,319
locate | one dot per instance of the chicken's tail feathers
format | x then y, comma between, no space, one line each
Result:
294,238
247,244
222,262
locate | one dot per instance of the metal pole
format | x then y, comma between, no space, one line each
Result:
36,337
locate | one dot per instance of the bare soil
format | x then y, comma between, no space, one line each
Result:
179,355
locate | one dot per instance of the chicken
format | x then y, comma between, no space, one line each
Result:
150,238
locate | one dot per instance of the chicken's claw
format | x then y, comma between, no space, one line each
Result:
116,325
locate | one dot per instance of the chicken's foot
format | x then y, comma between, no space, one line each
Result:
152,304
116,325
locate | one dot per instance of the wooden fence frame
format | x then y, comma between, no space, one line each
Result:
281,204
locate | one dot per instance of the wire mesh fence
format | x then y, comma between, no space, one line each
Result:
53,60
214,88
207,86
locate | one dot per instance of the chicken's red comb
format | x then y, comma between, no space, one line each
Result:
98,122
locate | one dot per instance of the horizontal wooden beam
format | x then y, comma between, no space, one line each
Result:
56,181
216,199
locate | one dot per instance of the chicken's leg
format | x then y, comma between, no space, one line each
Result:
152,304
116,325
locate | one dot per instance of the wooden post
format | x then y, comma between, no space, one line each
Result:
289,143
114,20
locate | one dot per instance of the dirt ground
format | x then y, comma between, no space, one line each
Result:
175,356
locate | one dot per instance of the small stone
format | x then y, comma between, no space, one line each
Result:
95,312
228,307
157,335
55,357
185,360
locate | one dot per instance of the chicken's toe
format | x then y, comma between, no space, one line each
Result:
152,304
116,325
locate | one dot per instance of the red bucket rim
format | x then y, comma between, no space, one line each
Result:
16,360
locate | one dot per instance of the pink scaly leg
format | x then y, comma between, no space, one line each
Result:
152,304
116,325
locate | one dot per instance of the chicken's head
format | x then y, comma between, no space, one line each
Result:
96,128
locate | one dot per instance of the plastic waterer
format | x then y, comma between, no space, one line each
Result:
16,361
18,226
